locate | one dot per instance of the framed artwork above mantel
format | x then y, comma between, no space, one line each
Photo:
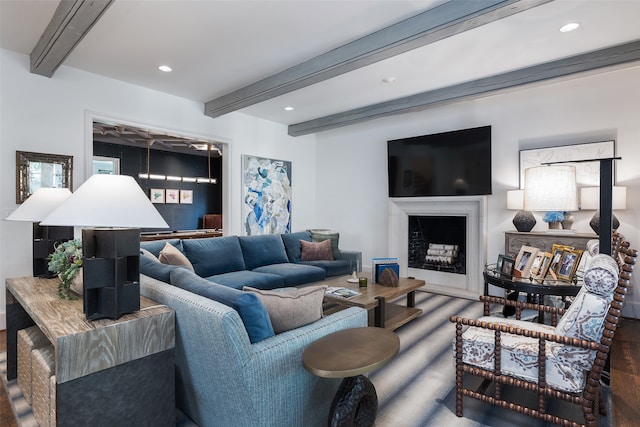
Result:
587,173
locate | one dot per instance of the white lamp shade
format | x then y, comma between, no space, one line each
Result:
550,188
40,204
590,198
515,200
107,201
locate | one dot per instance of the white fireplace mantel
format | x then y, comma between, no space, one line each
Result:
474,208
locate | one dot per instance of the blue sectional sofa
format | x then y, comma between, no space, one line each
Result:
262,262
231,368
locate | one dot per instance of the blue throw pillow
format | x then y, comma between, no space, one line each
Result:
214,255
248,305
262,250
292,244
153,268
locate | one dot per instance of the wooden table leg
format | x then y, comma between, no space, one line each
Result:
411,299
379,312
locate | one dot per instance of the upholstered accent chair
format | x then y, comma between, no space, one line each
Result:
562,361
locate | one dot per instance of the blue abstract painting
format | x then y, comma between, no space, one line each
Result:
266,195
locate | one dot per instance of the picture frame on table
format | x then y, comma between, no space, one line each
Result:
556,255
544,266
537,262
568,265
524,260
508,264
499,262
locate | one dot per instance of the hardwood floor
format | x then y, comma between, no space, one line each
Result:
625,377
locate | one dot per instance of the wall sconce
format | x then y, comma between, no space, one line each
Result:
111,253
36,208
590,200
524,220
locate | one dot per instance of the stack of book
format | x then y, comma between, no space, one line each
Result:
379,264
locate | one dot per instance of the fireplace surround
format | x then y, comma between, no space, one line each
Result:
473,209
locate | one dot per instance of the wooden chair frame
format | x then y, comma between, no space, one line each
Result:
590,398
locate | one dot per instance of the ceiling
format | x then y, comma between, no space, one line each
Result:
217,47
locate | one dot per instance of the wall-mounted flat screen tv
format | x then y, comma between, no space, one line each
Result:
456,163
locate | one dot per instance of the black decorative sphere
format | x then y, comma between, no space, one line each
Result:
524,221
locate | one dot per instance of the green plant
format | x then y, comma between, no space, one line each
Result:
66,260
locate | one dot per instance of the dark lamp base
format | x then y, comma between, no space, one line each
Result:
45,239
524,221
595,222
111,272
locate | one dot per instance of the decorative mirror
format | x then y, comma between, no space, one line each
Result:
35,170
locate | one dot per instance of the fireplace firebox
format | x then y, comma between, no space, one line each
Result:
438,243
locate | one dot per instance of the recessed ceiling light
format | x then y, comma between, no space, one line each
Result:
288,108
569,27
165,68
389,79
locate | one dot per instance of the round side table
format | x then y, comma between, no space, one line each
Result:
348,354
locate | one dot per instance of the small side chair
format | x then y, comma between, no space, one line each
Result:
554,362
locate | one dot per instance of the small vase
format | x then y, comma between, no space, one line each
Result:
76,283
554,225
568,220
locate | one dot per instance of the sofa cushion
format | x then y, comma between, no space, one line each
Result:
214,255
144,252
239,279
153,268
248,305
332,268
155,246
290,308
262,250
316,251
292,244
172,256
319,235
294,274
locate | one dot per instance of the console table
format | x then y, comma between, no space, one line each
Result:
185,234
514,240
108,372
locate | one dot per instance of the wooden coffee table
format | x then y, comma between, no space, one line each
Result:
375,298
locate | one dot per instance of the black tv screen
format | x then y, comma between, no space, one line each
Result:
443,164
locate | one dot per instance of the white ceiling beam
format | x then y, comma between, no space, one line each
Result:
427,27
71,21
616,55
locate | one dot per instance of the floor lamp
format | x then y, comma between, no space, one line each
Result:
36,208
111,209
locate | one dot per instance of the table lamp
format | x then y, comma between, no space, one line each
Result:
111,270
590,200
36,208
550,188
524,220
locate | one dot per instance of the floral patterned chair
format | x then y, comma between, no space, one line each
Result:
554,362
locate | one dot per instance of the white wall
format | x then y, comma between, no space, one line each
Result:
351,162
49,115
